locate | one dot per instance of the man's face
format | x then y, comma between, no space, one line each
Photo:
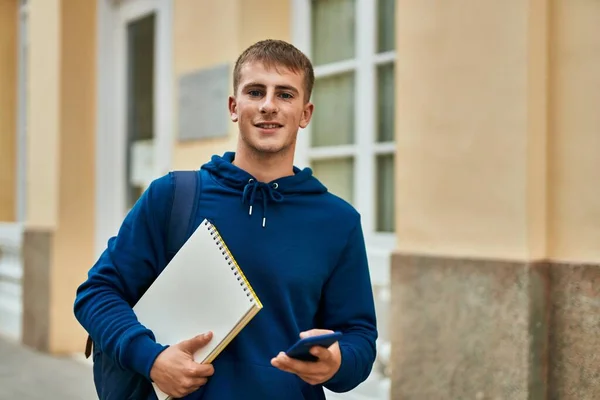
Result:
269,107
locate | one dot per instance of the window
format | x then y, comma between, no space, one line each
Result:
350,141
140,101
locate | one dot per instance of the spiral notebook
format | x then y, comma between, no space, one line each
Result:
202,289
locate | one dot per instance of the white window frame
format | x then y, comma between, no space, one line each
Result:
364,150
22,68
111,133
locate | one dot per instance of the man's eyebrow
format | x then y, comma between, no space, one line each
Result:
287,87
278,87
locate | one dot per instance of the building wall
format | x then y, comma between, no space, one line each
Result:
58,241
462,129
497,265
574,139
574,199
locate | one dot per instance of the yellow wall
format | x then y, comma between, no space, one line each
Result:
469,134
77,172
574,145
236,24
8,108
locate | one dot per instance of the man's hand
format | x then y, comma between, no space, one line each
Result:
312,372
176,373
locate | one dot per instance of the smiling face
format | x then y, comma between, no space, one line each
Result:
269,106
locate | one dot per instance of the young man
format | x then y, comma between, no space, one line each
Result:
300,246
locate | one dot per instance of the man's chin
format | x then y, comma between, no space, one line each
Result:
268,147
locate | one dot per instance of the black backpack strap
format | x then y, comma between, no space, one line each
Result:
183,210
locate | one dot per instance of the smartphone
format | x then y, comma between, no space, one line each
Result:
300,349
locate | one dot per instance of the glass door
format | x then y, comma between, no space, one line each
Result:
136,106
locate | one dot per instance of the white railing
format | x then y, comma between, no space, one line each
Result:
11,278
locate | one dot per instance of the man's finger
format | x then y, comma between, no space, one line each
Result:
314,332
195,384
297,367
321,353
197,371
192,345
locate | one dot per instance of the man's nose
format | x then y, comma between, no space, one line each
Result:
268,106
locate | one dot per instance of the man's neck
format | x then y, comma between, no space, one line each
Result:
264,167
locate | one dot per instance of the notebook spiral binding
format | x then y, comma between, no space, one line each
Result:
237,272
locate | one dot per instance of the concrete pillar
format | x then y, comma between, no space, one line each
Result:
469,285
58,242
574,199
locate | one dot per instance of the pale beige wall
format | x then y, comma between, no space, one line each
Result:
263,19
470,128
61,175
43,114
8,108
209,33
574,144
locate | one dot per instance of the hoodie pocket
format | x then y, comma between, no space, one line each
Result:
238,380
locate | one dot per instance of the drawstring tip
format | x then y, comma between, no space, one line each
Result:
250,211
264,221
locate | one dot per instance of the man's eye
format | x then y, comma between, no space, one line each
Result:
254,93
286,96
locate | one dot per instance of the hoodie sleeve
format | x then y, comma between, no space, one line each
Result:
348,307
124,271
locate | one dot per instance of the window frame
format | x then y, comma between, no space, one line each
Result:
111,131
22,98
366,148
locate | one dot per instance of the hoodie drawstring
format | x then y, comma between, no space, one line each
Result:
267,190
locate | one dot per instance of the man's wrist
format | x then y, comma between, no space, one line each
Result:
141,354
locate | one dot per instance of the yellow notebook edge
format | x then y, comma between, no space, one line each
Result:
239,270
232,334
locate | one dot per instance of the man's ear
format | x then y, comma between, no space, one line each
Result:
233,109
306,115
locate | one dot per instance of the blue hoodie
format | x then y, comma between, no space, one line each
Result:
301,247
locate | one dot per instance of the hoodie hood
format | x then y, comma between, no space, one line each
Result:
250,189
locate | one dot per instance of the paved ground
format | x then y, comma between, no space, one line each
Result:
28,375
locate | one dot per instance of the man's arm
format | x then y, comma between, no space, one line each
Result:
348,307
124,271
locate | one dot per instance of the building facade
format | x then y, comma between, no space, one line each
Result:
466,134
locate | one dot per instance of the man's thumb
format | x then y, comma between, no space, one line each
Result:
197,342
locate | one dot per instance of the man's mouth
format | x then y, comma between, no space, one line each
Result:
268,125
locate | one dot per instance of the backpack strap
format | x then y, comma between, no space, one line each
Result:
183,210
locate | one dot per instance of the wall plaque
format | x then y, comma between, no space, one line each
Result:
202,103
